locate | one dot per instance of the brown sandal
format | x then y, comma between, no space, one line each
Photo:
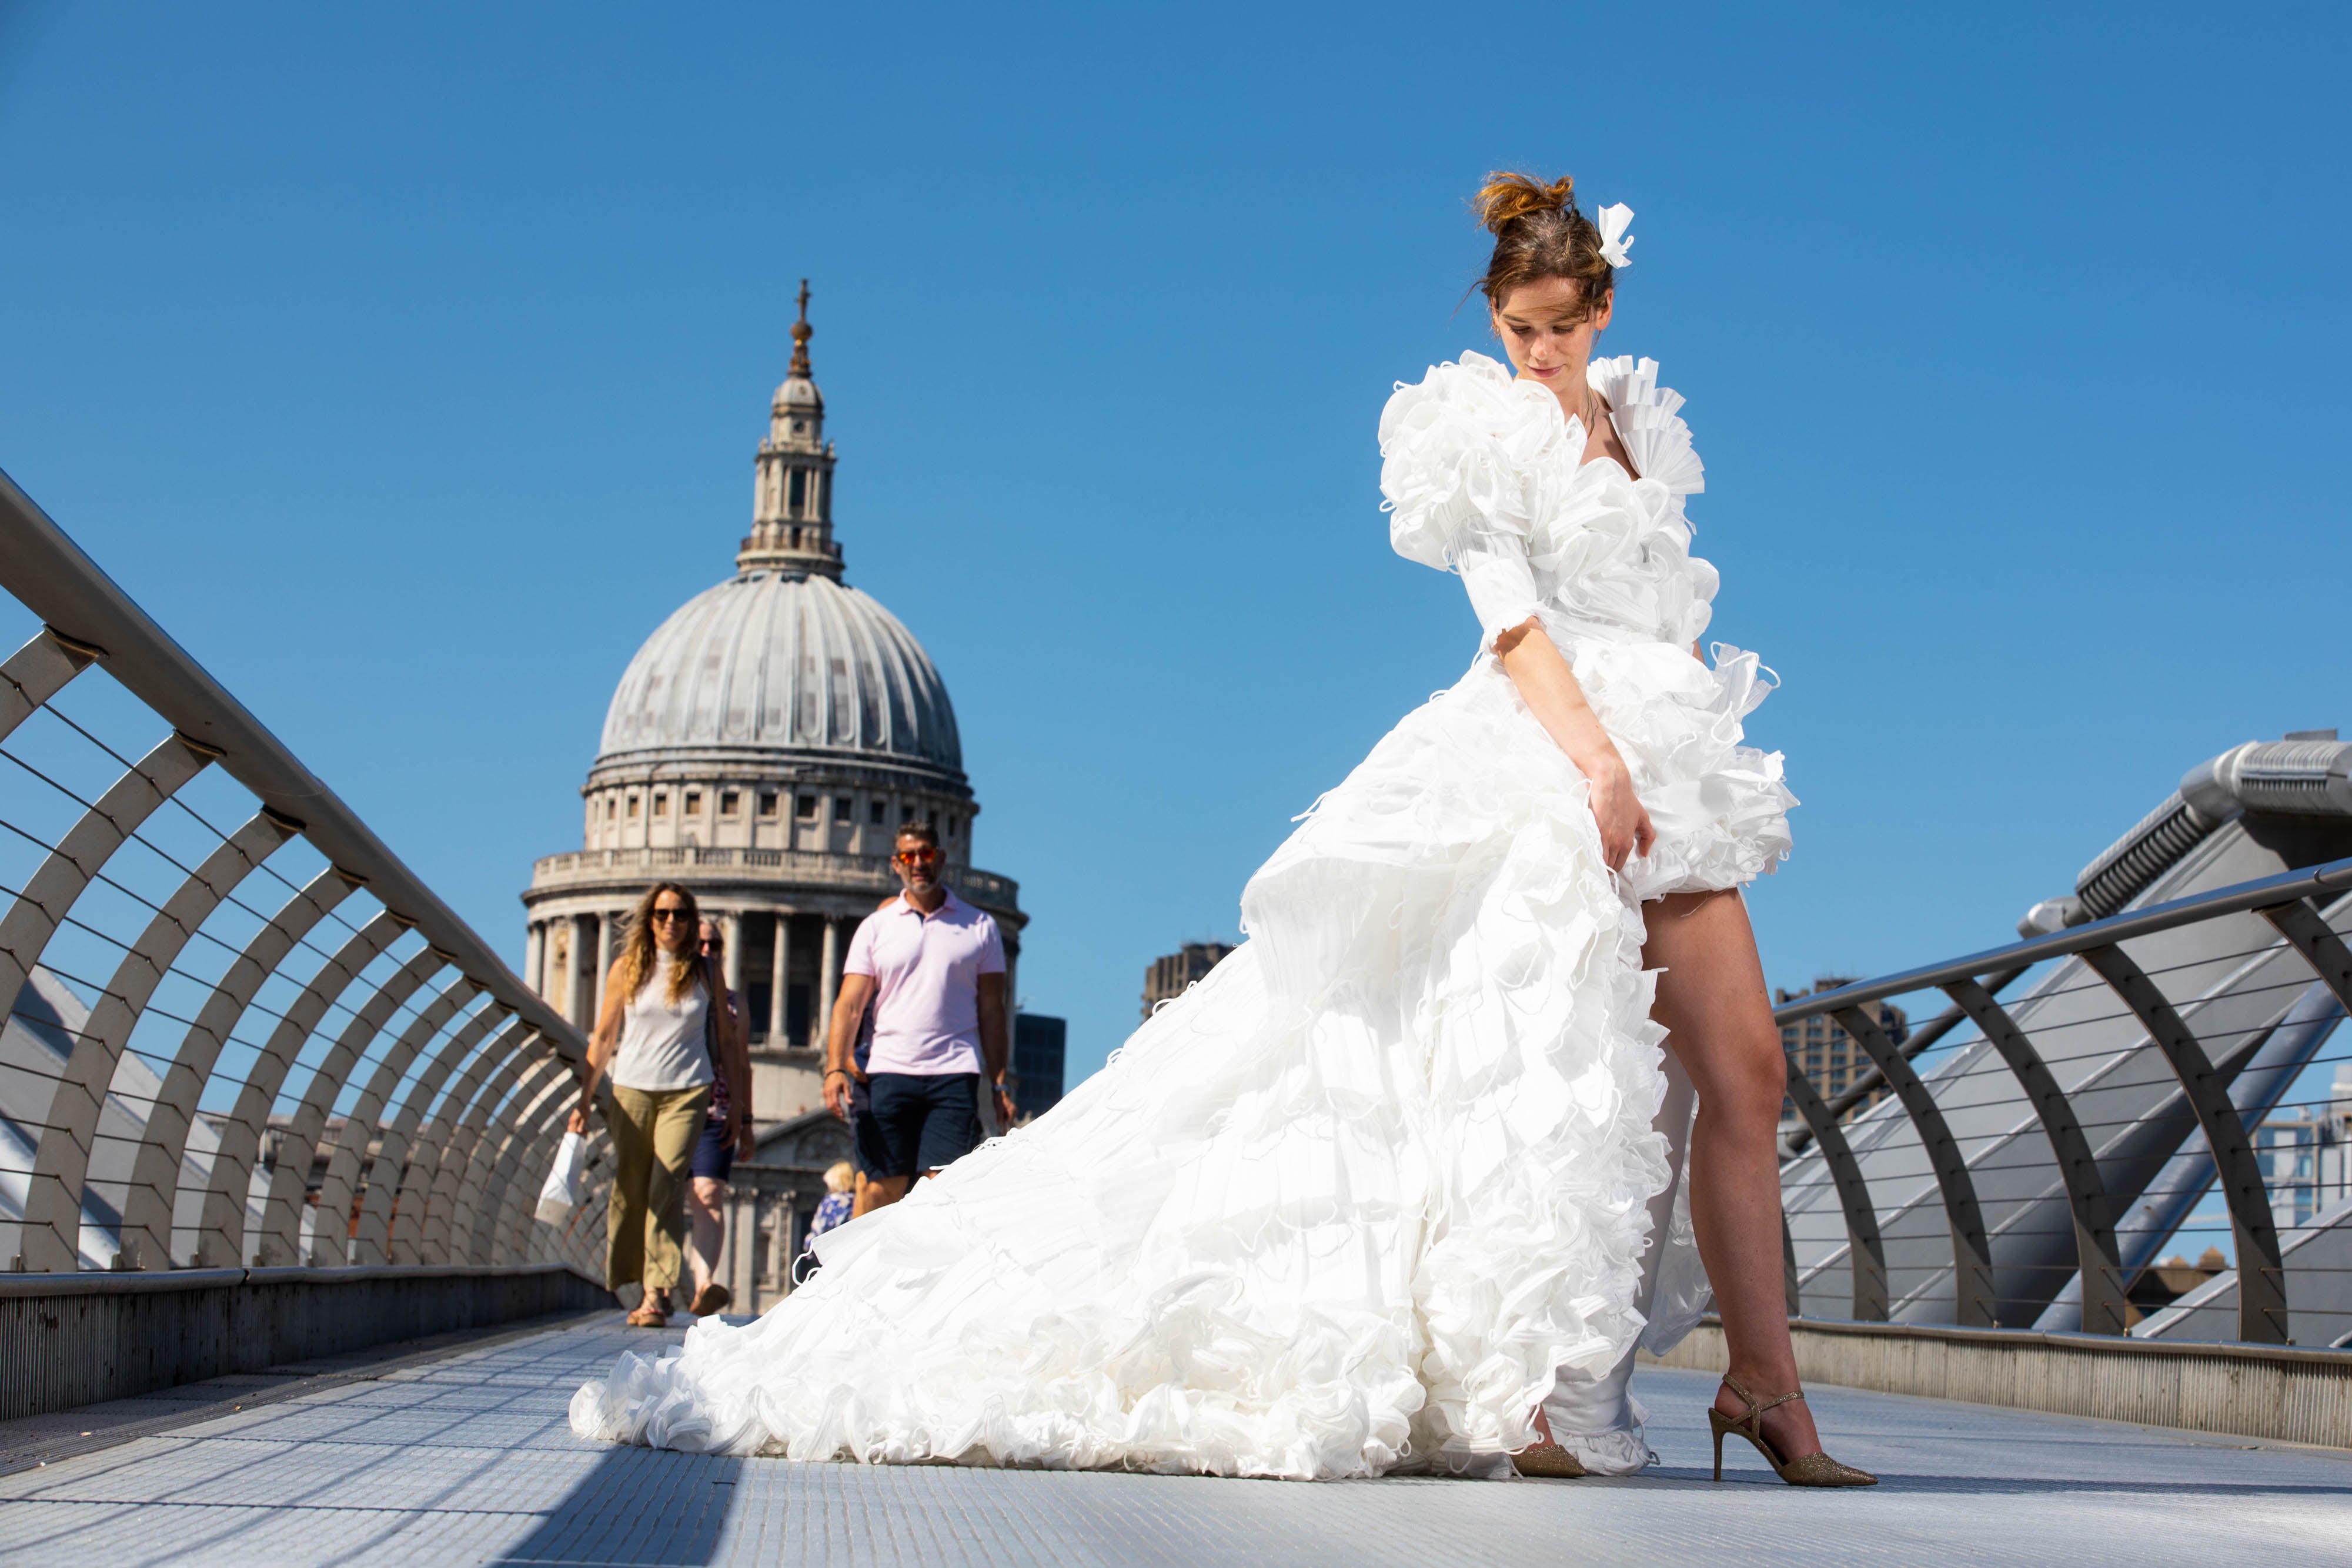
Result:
1816,1470
653,1313
713,1297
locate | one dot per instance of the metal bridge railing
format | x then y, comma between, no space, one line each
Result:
240,1033
2298,905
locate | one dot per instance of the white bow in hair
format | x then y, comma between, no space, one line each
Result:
1613,237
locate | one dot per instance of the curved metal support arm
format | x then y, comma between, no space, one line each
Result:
221,1229
82,853
297,1143
342,1185
37,672
475,1198
2324,951
399,1177
150,1215
1864,1084
2261,1276
447,1146
1972,1298
2078,1168
61,1164
1865,1250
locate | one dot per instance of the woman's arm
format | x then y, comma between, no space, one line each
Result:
1548,687
841,1041
601,1045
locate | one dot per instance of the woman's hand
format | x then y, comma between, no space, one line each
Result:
745,1145
1624,820
578,1122
1548,687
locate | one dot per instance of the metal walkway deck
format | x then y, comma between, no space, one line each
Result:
467,1459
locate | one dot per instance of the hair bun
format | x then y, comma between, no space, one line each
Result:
1506,198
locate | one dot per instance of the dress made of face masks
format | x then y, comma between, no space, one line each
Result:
1404,1167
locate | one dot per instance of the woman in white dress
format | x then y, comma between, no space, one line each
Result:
1394,1187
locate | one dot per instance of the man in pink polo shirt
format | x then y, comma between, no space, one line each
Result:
934,968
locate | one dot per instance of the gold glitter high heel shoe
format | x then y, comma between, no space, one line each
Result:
1811,1470
1546,1459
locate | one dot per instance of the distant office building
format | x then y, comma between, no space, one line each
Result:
1168,977
1828,1055
2303,1151
1037,1050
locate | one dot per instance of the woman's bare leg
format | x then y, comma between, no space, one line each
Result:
1719,1018
706,1224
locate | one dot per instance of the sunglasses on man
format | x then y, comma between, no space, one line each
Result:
916,857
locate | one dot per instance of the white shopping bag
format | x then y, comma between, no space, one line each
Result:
560,1195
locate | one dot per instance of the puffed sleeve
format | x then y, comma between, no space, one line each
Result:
1470,459
1494,568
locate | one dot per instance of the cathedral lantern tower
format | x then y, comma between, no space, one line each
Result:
791,502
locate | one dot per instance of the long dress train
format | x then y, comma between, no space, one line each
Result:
1384,1180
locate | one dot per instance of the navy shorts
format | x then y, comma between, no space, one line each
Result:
714,1156
918,1121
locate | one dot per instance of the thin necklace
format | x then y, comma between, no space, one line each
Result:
1585,411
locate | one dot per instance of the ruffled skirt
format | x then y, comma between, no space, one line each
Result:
1348,1207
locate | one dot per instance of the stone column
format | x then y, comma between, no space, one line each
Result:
778,967
608,947
534,958
731,925
828,968
580,979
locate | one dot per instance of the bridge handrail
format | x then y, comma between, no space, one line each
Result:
2332,876
50,576
457,982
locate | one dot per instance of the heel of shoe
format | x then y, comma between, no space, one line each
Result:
1815,1470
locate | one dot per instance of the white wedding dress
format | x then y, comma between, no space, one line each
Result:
1385,1179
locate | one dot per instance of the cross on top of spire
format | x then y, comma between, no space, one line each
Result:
801,332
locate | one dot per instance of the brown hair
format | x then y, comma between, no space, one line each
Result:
920,830
636,959
1538,232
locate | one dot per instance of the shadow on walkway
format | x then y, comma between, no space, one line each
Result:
639,1507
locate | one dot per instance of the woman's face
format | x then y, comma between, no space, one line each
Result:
674,929
1547,332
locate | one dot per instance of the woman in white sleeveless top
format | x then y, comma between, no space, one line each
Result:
654,1037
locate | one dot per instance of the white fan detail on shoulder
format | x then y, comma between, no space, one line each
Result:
1648,422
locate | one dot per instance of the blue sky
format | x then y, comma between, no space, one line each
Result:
407,363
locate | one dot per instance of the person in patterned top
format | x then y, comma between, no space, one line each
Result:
714,1157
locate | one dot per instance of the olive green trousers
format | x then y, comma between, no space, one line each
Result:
653,1135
